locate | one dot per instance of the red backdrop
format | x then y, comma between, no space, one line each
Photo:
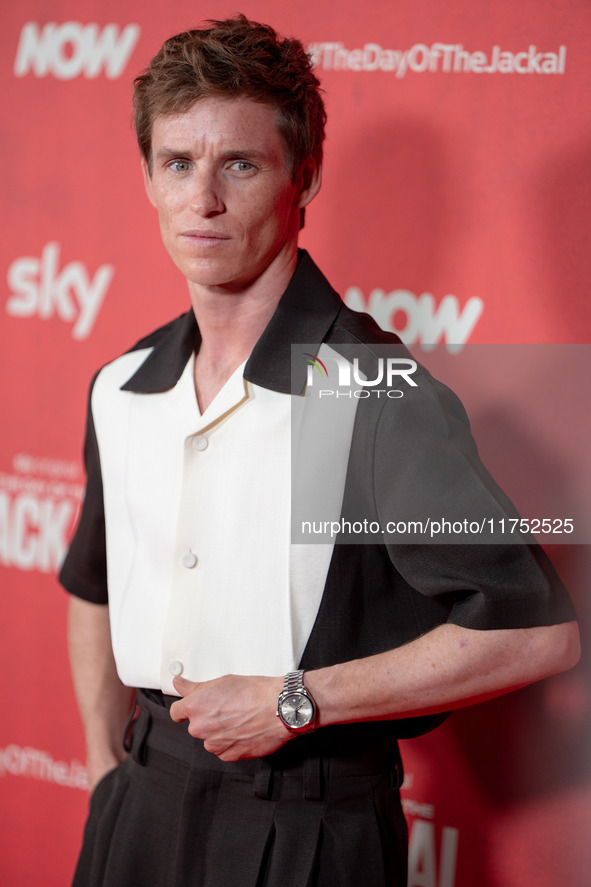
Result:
454,207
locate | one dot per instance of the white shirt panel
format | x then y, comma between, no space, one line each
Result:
202,575
140,441
230,606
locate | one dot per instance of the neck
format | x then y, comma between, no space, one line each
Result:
231,323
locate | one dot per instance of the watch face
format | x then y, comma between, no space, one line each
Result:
297,710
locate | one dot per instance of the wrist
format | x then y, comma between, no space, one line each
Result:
325,687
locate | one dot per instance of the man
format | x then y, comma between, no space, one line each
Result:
183,576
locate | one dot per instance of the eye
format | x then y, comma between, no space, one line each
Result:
179,166
243,166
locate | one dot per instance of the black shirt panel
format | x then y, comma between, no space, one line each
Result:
84,571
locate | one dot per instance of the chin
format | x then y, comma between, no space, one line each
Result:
202,274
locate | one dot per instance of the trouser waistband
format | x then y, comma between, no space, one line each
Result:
340,750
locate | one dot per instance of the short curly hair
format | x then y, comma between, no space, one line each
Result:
233,58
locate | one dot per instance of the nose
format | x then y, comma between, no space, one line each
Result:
206,199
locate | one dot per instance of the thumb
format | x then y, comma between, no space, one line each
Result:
183,686
177,709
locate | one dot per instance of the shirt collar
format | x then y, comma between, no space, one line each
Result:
304,315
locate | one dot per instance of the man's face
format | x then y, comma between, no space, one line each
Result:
226,202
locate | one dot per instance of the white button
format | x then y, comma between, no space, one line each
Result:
175,667
200,443
189,560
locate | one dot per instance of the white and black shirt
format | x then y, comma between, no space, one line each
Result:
186,528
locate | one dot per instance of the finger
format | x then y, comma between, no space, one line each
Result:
177,712
177,709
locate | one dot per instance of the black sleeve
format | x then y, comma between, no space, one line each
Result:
427,467
84,571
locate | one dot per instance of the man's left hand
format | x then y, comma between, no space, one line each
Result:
234,715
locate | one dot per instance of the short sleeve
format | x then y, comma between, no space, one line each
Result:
84,571
426,469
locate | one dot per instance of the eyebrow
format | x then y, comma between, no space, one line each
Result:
250,153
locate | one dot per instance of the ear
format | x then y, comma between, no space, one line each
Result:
147,180
310,180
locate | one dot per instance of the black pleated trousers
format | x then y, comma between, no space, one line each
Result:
323,811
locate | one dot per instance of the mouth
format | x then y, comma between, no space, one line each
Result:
205,238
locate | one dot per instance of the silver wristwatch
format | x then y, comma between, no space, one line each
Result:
296,708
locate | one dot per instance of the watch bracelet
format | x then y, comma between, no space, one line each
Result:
294,680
